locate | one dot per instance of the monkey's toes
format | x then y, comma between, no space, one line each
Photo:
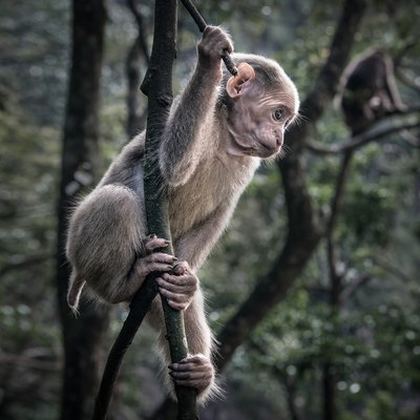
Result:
178,289
194,371
152,242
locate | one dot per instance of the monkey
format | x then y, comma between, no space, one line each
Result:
218,131
369,90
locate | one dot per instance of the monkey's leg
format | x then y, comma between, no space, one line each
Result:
196,370
183,291
107,245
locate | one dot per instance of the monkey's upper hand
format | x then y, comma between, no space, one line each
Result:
214,44
179,286
153,260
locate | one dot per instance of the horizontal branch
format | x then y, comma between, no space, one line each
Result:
378,132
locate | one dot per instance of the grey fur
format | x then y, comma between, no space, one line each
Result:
107,230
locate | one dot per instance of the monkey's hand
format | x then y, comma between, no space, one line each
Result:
195,371
178,287
154,261
214,44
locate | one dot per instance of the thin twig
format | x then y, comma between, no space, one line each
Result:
201,23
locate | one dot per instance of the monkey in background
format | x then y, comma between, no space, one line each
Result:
218,131
369,90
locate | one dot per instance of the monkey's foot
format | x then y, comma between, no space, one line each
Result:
195,371
179,287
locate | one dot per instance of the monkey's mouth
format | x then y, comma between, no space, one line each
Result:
266,151
237,148
254,147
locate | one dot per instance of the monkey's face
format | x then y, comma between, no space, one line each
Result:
259,117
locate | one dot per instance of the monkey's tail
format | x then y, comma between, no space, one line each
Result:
75,290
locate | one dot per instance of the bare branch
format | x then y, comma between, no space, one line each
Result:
378,132
335,206
141,40
135,119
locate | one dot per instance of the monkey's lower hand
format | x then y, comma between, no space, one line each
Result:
195,371
178,287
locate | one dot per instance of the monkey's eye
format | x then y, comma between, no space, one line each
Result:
278,114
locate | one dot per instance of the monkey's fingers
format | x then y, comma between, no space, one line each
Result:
199,384
193,374
180,302
175,297
195,358
160,257
182,267
215,43
188,280
178,306
182,288
194,371
152,242
157,261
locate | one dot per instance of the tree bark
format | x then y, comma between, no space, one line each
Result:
157,85
83,337
329,392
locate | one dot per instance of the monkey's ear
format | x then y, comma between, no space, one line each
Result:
235,85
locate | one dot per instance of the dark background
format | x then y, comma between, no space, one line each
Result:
301,336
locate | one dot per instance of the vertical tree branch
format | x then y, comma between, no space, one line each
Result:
138,51
83,337
157,85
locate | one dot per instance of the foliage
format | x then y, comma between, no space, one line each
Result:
373,342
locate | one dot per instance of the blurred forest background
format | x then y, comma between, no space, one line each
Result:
314,290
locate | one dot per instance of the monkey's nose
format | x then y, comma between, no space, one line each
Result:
279,137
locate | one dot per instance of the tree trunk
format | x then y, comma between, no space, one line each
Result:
137,53
329,392
83,337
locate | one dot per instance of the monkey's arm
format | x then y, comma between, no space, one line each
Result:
190,122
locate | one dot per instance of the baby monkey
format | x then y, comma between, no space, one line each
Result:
218,131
